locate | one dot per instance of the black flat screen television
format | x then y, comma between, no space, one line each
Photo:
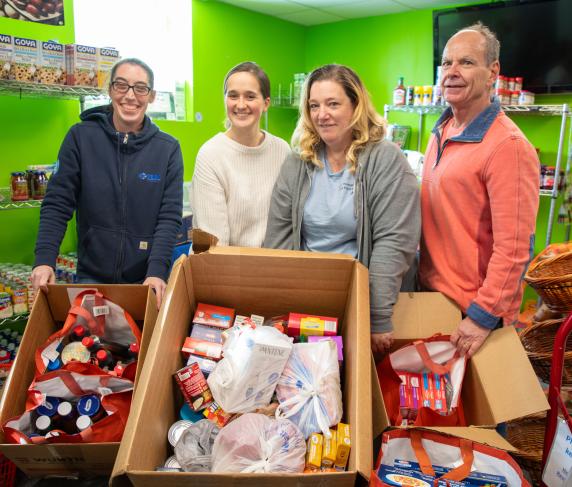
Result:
535,37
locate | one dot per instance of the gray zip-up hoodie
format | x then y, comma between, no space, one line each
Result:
386,200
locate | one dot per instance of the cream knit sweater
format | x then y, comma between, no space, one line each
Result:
232,186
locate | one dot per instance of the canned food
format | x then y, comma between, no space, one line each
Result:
176,430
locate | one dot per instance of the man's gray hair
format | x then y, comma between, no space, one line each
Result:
492,44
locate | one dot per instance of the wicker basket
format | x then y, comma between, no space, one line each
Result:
551,278
527,434
538,341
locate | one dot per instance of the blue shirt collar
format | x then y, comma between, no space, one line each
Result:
477,129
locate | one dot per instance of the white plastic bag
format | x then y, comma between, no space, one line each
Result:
255,443
309,389
245,379
558,468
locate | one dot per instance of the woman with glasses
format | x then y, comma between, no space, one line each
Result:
124,179
235,170
347,190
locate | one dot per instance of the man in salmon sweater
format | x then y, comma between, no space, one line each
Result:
479,195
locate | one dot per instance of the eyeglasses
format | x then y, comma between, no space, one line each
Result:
123,87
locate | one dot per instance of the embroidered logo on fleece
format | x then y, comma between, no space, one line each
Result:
152,178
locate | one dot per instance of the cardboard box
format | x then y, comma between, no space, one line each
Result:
500,384
81,65
25,60
6,53
106,58
49,312
268,283
52,64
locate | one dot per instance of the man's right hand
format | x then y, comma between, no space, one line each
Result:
42,276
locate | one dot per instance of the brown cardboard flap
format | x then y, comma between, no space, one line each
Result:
274,285
507,375
202,241
250,251
479,435
420,315
380,419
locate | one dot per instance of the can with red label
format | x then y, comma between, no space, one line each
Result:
194,386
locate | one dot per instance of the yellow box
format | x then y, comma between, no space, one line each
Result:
329,450
343,446
314,452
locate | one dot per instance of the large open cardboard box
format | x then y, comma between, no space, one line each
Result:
268,283
500,384
48,313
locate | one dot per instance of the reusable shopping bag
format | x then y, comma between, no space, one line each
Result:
103,318
558,469
414,457
421,383
69,383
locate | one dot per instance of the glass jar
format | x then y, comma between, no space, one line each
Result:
39,185
549,176
19,186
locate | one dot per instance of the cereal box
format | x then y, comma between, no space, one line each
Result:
25,60
52,63
81,65
6,53
106,58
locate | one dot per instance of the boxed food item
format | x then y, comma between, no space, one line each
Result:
25,60
106,58
52,63
194,387
6,54
314,449
304,324
81,65
258,281
49,311
218,316
201,348
207,333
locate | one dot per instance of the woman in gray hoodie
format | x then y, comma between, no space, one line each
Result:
345,189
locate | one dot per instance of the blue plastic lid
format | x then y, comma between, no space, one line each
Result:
54,365
49,407
88,405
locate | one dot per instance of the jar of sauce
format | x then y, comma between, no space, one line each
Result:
19,186
39,185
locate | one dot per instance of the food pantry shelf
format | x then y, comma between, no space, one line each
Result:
36,90
16,205
14,318
549,110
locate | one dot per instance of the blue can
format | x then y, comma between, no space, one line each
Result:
49,407
54,365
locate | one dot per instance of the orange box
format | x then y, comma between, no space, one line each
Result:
202,348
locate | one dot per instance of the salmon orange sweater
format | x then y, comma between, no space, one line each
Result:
479,199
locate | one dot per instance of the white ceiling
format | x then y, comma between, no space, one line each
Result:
313,12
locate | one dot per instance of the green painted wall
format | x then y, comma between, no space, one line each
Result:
32,129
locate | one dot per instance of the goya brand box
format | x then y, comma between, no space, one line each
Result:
106,58
52,64
6,53
210,315
81,65
405,473
303,324
25,60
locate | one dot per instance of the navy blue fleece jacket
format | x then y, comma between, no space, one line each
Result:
127,191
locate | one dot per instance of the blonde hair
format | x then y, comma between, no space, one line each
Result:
367,125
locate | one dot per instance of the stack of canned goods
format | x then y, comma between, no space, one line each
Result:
9,344
509,91
16,295
66,266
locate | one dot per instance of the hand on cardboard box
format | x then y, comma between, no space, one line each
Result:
381,342
469,337
43,275
158,285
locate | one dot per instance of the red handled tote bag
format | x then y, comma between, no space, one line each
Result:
421,383
413,457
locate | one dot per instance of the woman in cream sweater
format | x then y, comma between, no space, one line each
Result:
236,170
